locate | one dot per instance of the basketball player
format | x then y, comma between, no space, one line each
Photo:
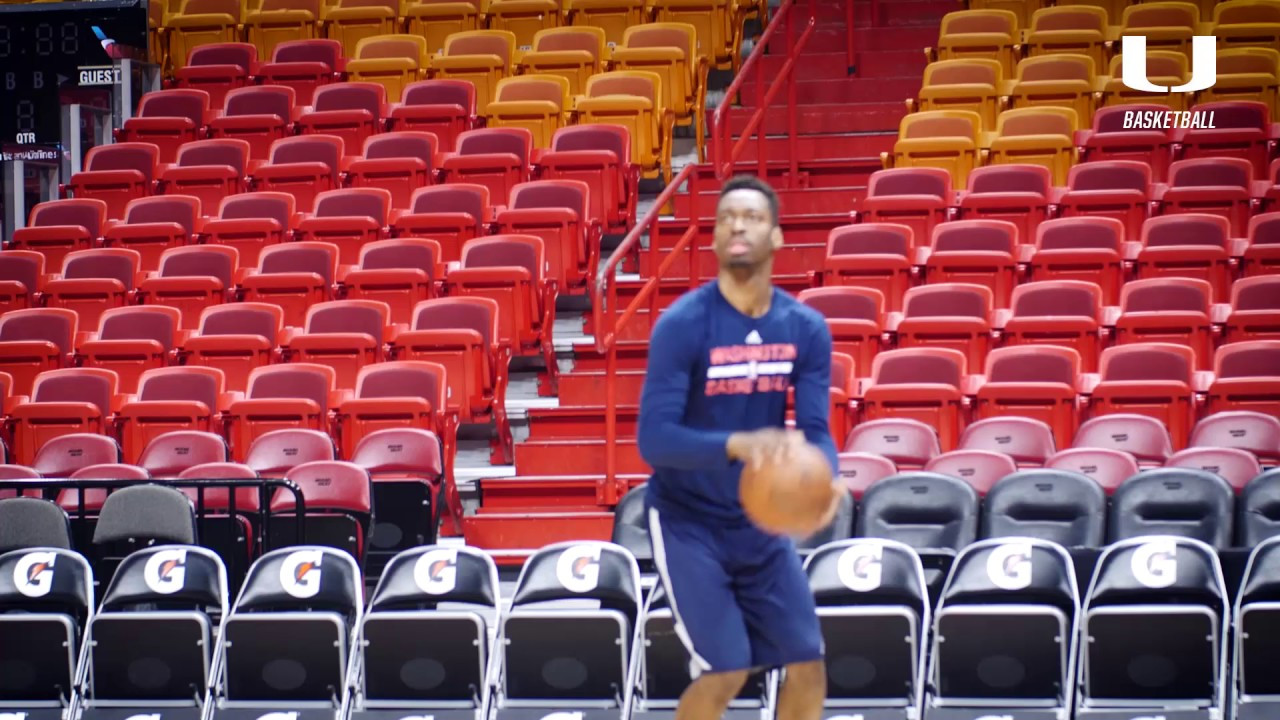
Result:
720,362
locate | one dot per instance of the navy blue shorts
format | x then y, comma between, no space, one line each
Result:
740,597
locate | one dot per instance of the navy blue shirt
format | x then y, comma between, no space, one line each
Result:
714,371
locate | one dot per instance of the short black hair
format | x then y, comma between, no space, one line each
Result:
751,182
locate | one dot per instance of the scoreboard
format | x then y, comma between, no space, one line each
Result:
46,48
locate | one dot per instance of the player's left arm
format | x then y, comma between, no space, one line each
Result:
812,382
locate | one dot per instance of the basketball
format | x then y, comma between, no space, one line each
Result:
792,497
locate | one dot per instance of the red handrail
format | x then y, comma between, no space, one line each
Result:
724,154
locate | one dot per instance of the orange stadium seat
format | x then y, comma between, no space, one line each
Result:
236,339
871,255
58,227
191,279
524,18
1246,24
1246,73
946,139
1073,29
481,56
1166,25
258,115
132,340
1039,136
280,21
250,222
445,108
201,22
634,99
948,315
1057,80
168,119
171,400
539,103
304,65
1165,68
573,53
35,340
294,276
400,272
218,68
979,33
350,21
1037,382
346,335
208,170
974,84
436,20
394,61
449,214
611,16
670,50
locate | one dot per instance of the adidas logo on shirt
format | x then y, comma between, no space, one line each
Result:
754,338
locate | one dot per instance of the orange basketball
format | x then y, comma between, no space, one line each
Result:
792,497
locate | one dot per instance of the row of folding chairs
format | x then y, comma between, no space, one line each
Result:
611,652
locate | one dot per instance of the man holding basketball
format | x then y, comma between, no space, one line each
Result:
721,360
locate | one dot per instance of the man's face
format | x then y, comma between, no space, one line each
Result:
745,234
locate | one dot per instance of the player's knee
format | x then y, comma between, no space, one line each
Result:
808,677
723,686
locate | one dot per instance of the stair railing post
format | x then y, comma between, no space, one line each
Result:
850,64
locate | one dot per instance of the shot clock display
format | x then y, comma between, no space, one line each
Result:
43,47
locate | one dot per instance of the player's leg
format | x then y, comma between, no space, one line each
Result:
782,623
709,623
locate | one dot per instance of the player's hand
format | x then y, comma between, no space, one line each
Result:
764,445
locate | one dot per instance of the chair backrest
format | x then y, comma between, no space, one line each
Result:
173,452
1211,172
441,91
1026,440
172,577
613,138
217,261
147,322
402,144
1107,467
1186,229
910,181
1148,361
1015,571
55,325
1255,358
1256,432
599,571
571,194
404,378
277,100
482,42
1058,505
868,571
902,440
177,102
65,454
1032,364
242,55
303,578
293,380
277,206
870,239
453,197
1110,175
88,213
1012,178
424,577
505,251
314,257
327,149
142,157
1256,293
1042,120
1234,465
349,316
1259,509
1174,501
231,152
919,365
103,263
46,580
351,95
472,313
1163,569
963,71
923,510
260,319
1050,298
401,253
400,450
328,52
275,452
1237,114
846,302
1142,436
970,235
516,141
151,512
92,385
1166,294
948,300
111,471
27,522
979,468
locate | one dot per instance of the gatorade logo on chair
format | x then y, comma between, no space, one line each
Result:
13,716
1155,564
578,568
279,716
166,572
33,574
300,577
1009,566
860,567
148,716
1204,73
563,716
436,572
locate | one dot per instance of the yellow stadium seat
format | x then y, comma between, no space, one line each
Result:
668,50
278,21
354,20
1166,68
436,20
157,40
973,84
612,16
1114,8
482,57
980,33
201,22
393,61
718,22
1246,73
524,18
1247,23
537,102
1059,81
1076,30
947,139
633,99
573,53
1167,25
1036,136
1023,9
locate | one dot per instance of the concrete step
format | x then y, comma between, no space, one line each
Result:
832,37
813,119
835,65
575,457
835,90
827,147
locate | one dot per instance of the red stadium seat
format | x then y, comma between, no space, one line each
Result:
1037,382
216,500
1117,189
1090,249
497,158
218,68
348,219
1255,310
116,174
407,471
35,340
251,222
443,107
1216,186
294,276
167,119
1107,466
21,279
1141,436
172,453
1188,245
398,162
71,400
1029,442
339,506
1015,193
600,156
94,281
62,456
1242,129
1262,254
345,335
948,315
922,383
209,170
449,214
980,252
132,340
1153,379
95,497
303,166
1169,309
279,397
19,472
917,197
259,115
236,338
58,227
1235,466
1246,377
558,212
277,452
1066,313
981,469
855,317
303,66
844,386
400,272
1256,432
401,394
861,470
910,444
1110,140
353,111
191,279
154,224
170,400
870,255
